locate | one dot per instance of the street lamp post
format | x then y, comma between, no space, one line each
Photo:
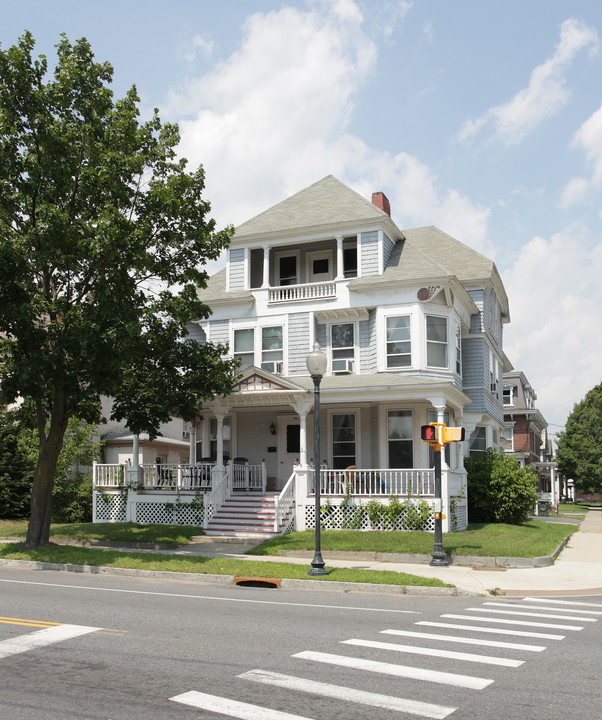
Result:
316,365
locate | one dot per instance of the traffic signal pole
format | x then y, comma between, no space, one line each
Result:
438,556
437,435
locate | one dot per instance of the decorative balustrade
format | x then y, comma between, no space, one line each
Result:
359,482
307,291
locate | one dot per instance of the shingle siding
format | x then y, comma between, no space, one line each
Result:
369,254
298,343
237,270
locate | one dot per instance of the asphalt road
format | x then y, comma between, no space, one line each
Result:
90,646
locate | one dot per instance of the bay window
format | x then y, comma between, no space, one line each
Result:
436,341
399,342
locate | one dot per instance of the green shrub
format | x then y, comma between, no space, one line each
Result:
499,489
72,498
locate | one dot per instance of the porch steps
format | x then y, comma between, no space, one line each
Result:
245,515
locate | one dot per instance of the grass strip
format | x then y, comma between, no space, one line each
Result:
211,566
533,539
172,536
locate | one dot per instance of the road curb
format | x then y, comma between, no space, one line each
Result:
331,585
423,559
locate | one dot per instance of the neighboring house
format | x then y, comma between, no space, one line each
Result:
525,435
411,323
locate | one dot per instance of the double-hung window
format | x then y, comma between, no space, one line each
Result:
342,340
478,440
458,351
343,441
399,342
400,431
436,341
271,349
244,346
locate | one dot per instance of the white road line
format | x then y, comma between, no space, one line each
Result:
534,614
512,622
447,654
544,607
232,708
561,602
414,673
465,640
215,598
41,638
488,630
387,702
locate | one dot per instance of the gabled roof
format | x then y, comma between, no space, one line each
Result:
326,202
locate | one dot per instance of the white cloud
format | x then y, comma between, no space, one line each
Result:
555,299
545,95
589,139
275,118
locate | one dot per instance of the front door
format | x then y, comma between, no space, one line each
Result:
289,446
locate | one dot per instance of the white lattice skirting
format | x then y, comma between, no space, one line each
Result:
112,507
355,517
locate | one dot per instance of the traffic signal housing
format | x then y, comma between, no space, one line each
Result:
440,434
452,434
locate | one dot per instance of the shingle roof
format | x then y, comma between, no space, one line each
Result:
326,202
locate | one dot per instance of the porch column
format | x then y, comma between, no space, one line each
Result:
553,484
219,461
441,419
266,267
340,263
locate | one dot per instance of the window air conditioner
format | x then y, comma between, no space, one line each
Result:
342,366
273,367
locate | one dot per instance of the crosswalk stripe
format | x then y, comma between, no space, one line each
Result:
387,702
552,601
512,622
447,654
544,607
534,614
414,673
488,630
40,638
465,640
233,708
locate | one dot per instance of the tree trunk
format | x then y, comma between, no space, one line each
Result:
38,531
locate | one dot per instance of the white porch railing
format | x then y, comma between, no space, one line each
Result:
307,291
175,476
247,477
285,502
359,482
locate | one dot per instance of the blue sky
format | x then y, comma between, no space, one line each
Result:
482,118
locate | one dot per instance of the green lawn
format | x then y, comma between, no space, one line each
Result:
171,536
212,566
533,539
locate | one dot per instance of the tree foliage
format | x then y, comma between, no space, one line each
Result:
103,239
579,452
499,489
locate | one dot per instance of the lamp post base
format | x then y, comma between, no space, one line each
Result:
317,566
439,559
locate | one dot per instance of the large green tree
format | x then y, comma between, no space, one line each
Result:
579,452
103,239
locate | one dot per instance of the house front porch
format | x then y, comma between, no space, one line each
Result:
233,499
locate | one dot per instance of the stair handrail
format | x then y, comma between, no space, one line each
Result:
285,501
221,488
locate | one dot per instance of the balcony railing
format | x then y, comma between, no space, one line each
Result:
299,293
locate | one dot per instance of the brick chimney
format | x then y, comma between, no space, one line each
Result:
381,201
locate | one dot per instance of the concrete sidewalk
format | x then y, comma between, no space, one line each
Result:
576,571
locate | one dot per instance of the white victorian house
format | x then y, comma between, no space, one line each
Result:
411,324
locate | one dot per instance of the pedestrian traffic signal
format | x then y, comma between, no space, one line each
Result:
429,433
440,434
